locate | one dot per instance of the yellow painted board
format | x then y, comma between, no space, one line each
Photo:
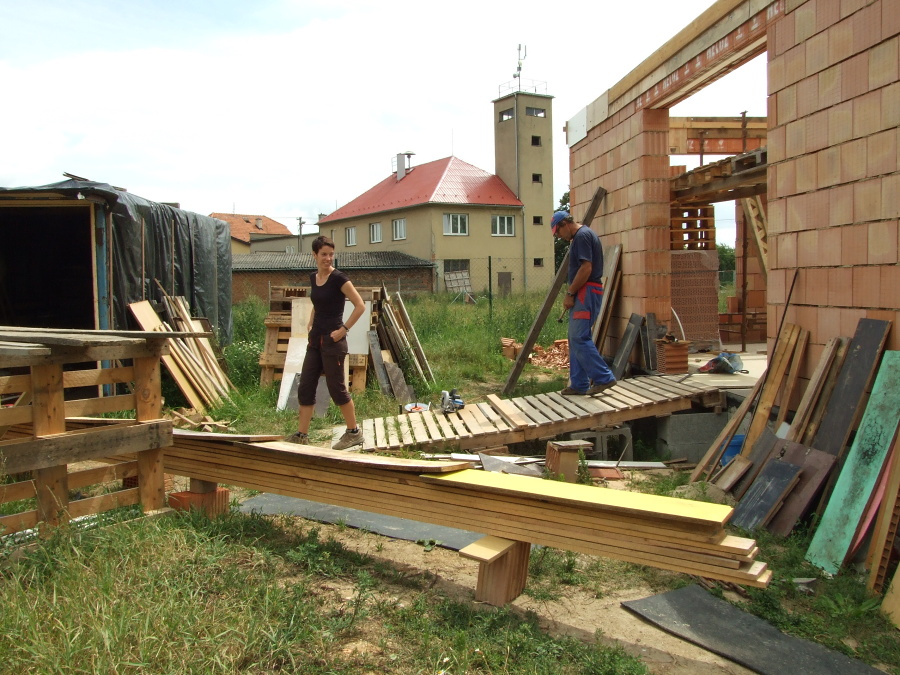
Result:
662,508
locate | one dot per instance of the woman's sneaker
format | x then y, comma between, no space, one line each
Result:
348,440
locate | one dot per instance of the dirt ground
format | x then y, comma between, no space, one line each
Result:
575,614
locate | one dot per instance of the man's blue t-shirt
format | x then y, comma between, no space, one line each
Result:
586,246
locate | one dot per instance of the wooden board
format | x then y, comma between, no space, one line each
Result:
815,467
765,495
626,345
758,455
377,361
775,374
813,389
854,379
341,458
731,473
861,469
891,603
886,524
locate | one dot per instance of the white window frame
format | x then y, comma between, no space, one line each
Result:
398,228
503,226
535,112
350,236
374,233
456,224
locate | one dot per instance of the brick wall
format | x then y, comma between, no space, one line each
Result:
834,185
413,280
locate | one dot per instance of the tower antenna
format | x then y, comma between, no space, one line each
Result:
523,52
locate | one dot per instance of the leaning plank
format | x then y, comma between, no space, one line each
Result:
861,470
854,379
813,389
378,363
816,466
885,530
632,331
413,337
765,495
784,353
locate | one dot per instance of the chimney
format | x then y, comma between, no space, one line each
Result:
259,224
403,162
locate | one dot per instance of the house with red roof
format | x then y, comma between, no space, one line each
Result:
461,217
243,226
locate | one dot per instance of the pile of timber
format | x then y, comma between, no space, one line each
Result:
795,457
191,361
664,532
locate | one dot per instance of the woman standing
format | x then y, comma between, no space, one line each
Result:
327,347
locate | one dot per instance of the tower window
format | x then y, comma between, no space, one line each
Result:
535,112
537,220
507,114
536,141
537,178
538,262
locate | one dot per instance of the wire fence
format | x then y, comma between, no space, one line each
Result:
493,277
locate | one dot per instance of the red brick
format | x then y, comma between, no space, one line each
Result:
840,205
840,287
855,76
828,323
867,201
829,245
853,160
883,63
840,123
866,280
889,295
883,242
867,114
840,41
828,167
881,153
855,245
213,503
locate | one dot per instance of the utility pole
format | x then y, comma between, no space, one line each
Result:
300,234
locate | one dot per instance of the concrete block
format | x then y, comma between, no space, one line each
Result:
689,435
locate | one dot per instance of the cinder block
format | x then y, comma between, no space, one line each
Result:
213,503
883,242
853,160
881,153
866,280
867,114
689,435
840,287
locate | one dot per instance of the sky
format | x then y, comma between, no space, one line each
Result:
291,108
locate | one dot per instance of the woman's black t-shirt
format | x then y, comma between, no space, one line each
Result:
328,302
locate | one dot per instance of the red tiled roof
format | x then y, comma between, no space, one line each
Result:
243,225
444,181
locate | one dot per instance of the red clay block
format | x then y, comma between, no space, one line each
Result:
855,245
785,178
785,34
807,178
817,131
866,280
890,106
867,114
867,201
849,319
840,41
213,503
883,242
853,160
883,63
889,295
830,87
795,139
817,53
890,25
808,248
890,204
804,21
828,167
786,105
815,286
807,96
840,123
867,26
829,242
795,64
786,250
855,76
881,153
828,323
840,205
777,142
840,287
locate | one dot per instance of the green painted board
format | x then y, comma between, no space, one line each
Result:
861,470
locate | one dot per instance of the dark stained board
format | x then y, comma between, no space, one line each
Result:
632,330
815,465
758,455
765,495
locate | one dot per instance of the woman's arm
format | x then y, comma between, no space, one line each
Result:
359,307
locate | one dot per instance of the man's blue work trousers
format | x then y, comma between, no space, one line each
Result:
586,366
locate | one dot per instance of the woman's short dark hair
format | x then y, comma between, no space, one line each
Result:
321,241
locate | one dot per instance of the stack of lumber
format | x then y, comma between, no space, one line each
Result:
191,361
664,532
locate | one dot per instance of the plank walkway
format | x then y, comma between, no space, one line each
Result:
501,421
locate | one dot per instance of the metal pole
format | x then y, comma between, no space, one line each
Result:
490,288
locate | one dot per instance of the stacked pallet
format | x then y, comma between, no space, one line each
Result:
673,534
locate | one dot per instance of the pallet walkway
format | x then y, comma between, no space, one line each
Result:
501,421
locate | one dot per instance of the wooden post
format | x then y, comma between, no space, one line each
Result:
503,568
49,417
148,406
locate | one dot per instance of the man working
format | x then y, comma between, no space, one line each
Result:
588,372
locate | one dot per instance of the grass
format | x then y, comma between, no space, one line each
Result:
244,593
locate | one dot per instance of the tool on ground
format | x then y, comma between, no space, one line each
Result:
450,401
562,316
